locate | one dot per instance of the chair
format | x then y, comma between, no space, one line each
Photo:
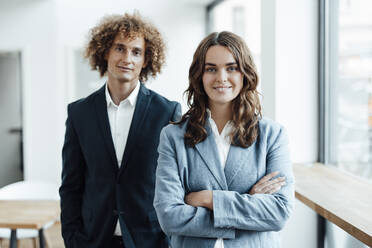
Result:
28,190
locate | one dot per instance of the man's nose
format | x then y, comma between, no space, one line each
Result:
126,56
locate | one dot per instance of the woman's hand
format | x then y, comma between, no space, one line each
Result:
202,198
268,185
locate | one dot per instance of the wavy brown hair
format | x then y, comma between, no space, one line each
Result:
246,107
103,35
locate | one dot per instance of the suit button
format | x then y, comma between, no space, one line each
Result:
116,212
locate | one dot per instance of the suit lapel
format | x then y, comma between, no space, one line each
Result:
237,159
142,105
208,151
101,110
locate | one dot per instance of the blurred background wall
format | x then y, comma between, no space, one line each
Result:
42,42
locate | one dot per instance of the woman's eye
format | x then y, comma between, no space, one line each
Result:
210,69
232,68
119,49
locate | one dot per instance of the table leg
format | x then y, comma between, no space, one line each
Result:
13,239
41,238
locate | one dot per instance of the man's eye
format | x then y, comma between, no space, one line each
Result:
137,53
119,49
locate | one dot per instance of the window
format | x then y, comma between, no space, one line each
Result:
349,71
240,17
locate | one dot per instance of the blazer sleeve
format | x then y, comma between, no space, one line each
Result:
175,216
71,189
259,212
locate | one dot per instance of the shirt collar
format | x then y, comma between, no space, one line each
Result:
226,130
132,98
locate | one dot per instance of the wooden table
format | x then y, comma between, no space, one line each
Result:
341,198
28,214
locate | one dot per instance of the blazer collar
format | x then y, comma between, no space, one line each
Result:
208,151
237,159
140,112
143,102
101,111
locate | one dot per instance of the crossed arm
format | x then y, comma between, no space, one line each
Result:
266,185
218,213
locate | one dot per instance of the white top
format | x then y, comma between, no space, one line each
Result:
120,117
223,143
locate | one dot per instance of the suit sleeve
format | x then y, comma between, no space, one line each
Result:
177,113
175,216
71,189
259,212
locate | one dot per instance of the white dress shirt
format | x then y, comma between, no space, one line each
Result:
223,143
120,117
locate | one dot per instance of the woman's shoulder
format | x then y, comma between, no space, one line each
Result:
270,129
267,124
175,129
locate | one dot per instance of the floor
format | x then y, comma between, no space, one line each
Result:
54,235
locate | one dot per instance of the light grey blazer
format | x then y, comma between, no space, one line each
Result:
242,220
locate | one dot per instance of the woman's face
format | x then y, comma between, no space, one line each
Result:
222,80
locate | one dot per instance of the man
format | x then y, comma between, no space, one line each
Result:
110,150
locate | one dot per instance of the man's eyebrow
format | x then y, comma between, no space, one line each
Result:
119,45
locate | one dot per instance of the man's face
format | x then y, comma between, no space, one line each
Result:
125,59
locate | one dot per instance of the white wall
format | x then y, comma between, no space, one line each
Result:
30,27
45,30
289,87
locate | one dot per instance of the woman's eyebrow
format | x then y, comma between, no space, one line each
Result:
231,63
211,64
227,64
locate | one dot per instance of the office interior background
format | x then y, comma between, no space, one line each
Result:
314,59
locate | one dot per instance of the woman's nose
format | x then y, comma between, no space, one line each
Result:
222,76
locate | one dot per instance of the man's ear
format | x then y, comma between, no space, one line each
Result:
145,63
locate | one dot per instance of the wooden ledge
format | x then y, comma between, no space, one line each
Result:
339,197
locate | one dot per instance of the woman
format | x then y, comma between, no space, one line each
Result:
211,189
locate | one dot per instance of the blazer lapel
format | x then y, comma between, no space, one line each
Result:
101,110
237,159
208,151
142,105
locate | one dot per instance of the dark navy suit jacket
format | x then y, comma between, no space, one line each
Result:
95,191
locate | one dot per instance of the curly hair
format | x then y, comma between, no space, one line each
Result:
246,107
103,35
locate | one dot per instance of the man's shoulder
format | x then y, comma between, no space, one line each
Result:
83,103
159,99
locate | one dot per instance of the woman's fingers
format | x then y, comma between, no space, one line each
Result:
274,182
272,188
268,185
266,178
